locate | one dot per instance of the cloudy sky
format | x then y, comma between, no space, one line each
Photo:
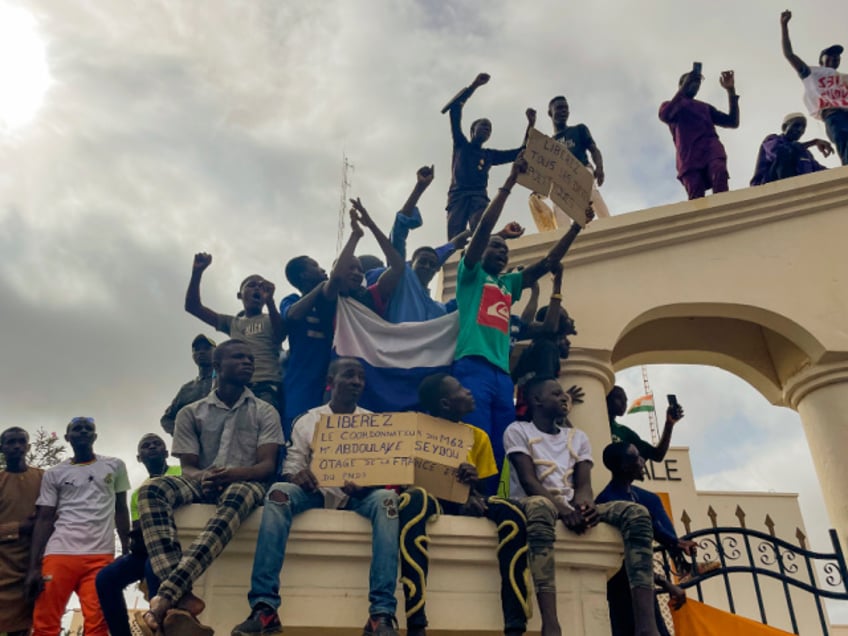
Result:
136,133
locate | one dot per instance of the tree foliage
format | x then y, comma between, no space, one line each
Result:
46,450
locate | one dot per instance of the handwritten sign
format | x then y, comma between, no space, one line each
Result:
440,447
556,173
375,449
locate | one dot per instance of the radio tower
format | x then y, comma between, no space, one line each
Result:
347,167
652,415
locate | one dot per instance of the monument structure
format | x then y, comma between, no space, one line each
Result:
753,281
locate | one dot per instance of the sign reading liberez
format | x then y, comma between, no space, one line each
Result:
375,449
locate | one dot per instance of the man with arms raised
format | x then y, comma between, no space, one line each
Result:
701,158
467,196
299,491
308,317
825,89
263,332
411,301
617,406
485,296
227,444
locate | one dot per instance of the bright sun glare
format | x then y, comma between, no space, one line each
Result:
24,75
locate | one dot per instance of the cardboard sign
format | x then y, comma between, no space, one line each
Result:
554,172
376,449
440,447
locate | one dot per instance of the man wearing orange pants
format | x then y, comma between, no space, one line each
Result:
82,502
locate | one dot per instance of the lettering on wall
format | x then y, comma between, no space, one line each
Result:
665,470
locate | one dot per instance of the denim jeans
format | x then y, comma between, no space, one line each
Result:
494,409
379,506
110,583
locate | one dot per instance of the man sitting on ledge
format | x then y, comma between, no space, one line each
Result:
551,464
227,444
442,395
626,465
300,492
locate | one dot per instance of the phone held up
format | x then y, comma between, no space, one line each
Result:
674,405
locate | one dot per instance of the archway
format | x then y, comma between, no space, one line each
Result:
763,348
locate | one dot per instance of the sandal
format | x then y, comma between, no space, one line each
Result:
181,623
142,625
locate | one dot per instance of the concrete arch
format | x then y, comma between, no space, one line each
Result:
758,345
752,281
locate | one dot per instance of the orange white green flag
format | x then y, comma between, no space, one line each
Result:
697,619
644,404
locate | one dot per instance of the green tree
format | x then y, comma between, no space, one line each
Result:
46,450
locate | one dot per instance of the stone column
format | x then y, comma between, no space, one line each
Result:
592,371
820,395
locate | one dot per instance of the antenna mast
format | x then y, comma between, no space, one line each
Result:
652,415
347,167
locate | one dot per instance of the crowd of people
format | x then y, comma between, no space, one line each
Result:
243,428
701,158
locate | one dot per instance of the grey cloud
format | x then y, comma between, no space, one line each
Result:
176,127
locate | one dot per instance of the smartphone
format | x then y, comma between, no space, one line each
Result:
672,400
696,68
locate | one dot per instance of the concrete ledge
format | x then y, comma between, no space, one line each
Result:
324,583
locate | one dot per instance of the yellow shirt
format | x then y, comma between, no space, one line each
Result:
481,455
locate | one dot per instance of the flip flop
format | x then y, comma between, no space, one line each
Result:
181,623
142,625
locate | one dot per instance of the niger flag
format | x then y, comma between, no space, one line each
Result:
697,619
644,404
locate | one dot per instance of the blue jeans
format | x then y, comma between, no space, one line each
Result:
152,580
379,506
110,583
494,408
836,125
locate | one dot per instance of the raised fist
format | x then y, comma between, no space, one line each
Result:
425,175
482,78
202,260
520,165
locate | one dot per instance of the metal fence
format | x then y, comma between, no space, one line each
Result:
750,555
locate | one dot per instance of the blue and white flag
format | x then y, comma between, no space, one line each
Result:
396,356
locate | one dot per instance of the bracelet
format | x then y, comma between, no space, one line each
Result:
507,190
556,296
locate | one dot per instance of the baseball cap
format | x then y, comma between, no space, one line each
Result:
836,49
201,338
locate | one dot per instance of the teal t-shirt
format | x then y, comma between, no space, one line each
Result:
484,303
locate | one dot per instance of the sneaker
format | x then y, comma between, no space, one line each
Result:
381,625
263,621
